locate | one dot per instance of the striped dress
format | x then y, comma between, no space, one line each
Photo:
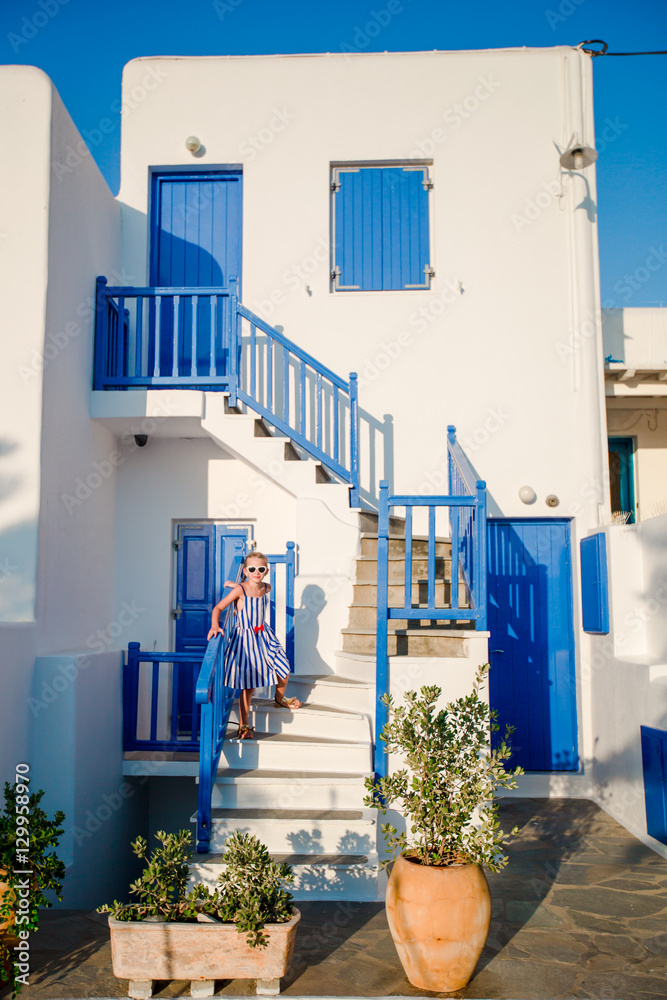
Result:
254,657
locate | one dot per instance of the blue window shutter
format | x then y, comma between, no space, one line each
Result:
594,584
654,763
381,229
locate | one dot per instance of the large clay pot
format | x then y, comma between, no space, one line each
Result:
439,920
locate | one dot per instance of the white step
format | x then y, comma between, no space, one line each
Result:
309,720
317,877
300,831
335,692
280,752
295,789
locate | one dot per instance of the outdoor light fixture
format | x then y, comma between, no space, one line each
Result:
140,440
552,500
577,156
193,144
527,494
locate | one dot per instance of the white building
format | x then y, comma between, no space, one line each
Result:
404,216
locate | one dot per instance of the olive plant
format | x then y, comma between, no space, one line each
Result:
446,788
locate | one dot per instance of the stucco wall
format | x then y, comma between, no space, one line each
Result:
514,242
628,669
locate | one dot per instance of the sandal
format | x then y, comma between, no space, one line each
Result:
291,703
246,733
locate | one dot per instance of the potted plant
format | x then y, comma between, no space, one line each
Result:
438,902
242,929
29,867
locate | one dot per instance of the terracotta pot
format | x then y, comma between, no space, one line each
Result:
145,950
439,920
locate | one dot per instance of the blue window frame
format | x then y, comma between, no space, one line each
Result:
622,477
380,223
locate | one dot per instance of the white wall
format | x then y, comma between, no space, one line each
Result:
628,669
637,336
25,106
513,245
17,656
644,420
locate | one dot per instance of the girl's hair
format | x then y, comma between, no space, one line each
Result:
254,555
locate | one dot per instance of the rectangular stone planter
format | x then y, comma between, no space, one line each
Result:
143,951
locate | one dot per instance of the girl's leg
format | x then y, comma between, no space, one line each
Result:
244,704
280,693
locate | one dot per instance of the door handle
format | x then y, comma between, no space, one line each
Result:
177,612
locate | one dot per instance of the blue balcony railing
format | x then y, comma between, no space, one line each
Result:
466,507
204,338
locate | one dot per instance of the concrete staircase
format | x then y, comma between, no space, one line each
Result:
406,638
299,787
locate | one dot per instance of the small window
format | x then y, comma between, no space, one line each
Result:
380,219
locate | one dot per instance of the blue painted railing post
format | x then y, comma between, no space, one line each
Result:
290,573
205,779
234,341
451,440
101,331
354,440
480,552
382,601
130,694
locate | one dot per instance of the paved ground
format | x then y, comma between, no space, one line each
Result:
580,911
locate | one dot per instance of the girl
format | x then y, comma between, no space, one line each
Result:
254,656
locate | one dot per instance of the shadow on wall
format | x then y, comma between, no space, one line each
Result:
307,629
18,562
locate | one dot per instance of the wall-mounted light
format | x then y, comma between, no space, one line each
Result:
577,155
140,440
527,494
552,500
193,144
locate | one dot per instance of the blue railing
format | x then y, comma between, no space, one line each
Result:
216,700
156,715
466,504
204,338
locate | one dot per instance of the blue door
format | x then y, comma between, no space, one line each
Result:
206,556
195,242
531,648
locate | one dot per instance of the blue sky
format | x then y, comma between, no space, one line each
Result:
83,45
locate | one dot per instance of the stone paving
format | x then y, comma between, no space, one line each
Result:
580,911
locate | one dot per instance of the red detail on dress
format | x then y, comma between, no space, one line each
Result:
259,628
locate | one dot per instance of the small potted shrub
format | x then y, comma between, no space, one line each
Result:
438,902
242,929
29,867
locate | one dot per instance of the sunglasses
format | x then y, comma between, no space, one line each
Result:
256,569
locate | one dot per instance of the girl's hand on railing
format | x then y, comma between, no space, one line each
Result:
216,630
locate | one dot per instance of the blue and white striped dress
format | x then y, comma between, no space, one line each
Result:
254,656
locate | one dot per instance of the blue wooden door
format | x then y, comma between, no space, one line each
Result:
195,242
206,555
531,648
621,477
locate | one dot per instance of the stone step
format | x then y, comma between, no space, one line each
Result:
369,546
408,642
366,616
335,692
278,751
302,831
309,720
365,594
368,522
367,569
351,877
294,789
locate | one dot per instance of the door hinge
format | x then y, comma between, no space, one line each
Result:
427,184
335,186
177,612
335,273
178,545
429,271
